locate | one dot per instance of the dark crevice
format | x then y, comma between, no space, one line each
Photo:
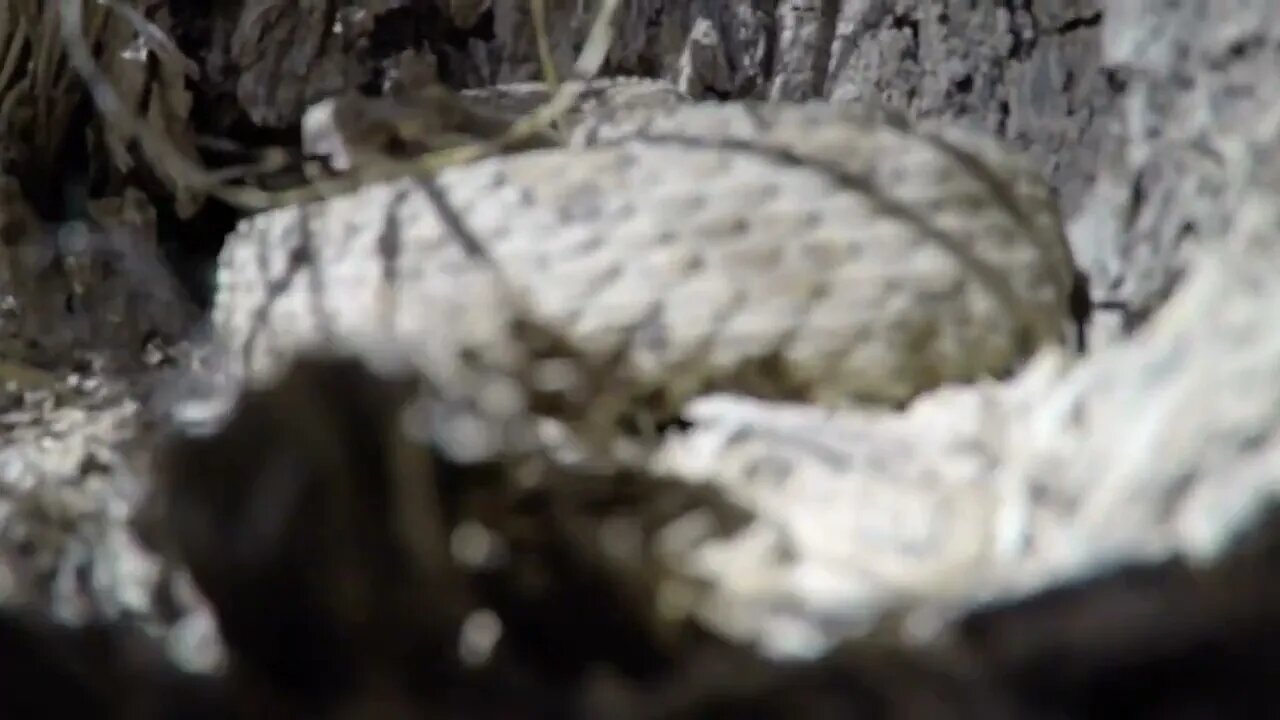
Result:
418,26
57,189
1024,39
1079,23
191,246
1116,80
904,21
908,23
1237,51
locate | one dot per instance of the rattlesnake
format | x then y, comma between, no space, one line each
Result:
824,254
829,267
805,251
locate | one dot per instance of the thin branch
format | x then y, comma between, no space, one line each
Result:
549,73
157,148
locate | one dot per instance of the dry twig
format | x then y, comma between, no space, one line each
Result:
164,155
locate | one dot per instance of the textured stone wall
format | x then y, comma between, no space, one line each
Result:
1196,129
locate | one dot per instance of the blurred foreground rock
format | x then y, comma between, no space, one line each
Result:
356,574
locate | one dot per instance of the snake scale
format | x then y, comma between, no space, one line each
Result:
810,252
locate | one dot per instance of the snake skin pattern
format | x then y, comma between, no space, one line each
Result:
808,252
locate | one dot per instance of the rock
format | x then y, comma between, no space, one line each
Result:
1028,73
1199,107
387,580
1162,446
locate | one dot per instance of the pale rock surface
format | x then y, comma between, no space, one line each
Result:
1201,101
1165,444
